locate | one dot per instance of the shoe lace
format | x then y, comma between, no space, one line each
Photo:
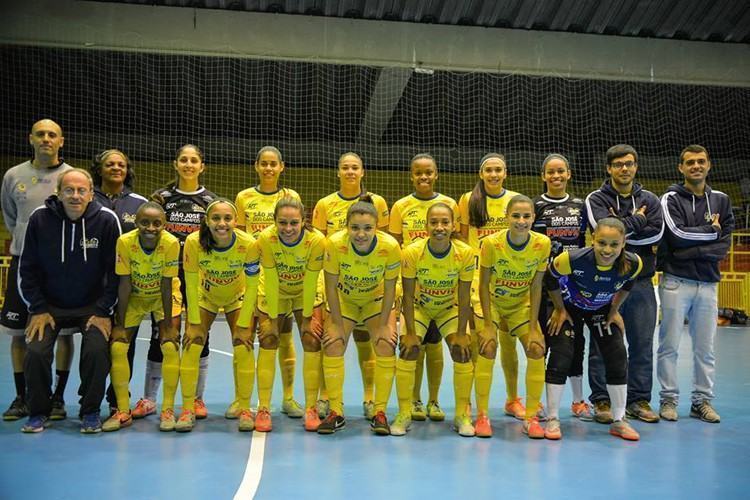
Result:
186,415
245,413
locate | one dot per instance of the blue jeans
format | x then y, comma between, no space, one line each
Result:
639,314
697,301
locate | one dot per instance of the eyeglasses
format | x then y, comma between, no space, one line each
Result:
622,164
69,192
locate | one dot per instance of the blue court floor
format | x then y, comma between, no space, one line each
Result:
687,459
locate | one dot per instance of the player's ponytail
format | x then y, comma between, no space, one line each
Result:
365,206
478,214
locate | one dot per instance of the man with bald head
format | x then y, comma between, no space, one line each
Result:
24,188
67,279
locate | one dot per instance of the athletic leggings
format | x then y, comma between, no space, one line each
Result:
579,343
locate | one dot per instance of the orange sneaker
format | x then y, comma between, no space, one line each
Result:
515,409
263,420
532,427
622,429
312,420
199,407
582,411
167,421
143,408
482,427
186,421
245,420
117,421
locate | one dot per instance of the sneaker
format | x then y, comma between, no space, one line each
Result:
552,429
603,412
233,411
263,420
622,428
166,420
533,429
418,412
16,410
323,406
705,412
117,421
143,408
186,421
199,407
462,425
541,413
668,410
332,423
379,424
401,425
58,409
641,410
312,420
368,409
582,411
434,412
35,423
246,420
91,423
292,409
483,428
515,408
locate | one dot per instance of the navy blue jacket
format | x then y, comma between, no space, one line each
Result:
69,264
643,233
692,248
125,205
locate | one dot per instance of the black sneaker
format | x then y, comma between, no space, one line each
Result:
17,410
603,412
705,412
332,423
58,409
379,424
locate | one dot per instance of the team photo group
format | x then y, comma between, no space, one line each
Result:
481,274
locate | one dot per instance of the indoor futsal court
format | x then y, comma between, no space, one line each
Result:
384,83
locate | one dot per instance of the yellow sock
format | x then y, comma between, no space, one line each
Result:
189,374
333,367
483,383
509,363
170,373
385,368
244,375
463,376
266,374
120,374
434,356
366,354
311,372
236,378
323,387
534,385
287,363
405,384
418,375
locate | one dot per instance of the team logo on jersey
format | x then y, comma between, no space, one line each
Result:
412,213
345,266
707,216
422,271
574,211
90,243
197,208
21,187
578,272
12,316
586,294
548,212
602,278
503,262
252,205
204,262
128,218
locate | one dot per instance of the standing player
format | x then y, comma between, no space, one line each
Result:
147,262
291,256
328,217
483,213
562,217
184,201
221,271
255,212
621,197
588,285
361,266
437,274
512,265
24,188
408,223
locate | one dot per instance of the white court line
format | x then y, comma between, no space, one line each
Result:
254,468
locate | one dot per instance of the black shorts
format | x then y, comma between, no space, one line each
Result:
15,313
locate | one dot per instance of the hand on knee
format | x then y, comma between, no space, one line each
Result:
409,347
268,341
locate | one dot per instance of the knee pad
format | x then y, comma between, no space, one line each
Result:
561,349
615,358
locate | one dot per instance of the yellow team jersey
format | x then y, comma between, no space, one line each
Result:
291,261
409,216
222,272
146,269
329,215
513,268
437,275
361,276
255,208
496,221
